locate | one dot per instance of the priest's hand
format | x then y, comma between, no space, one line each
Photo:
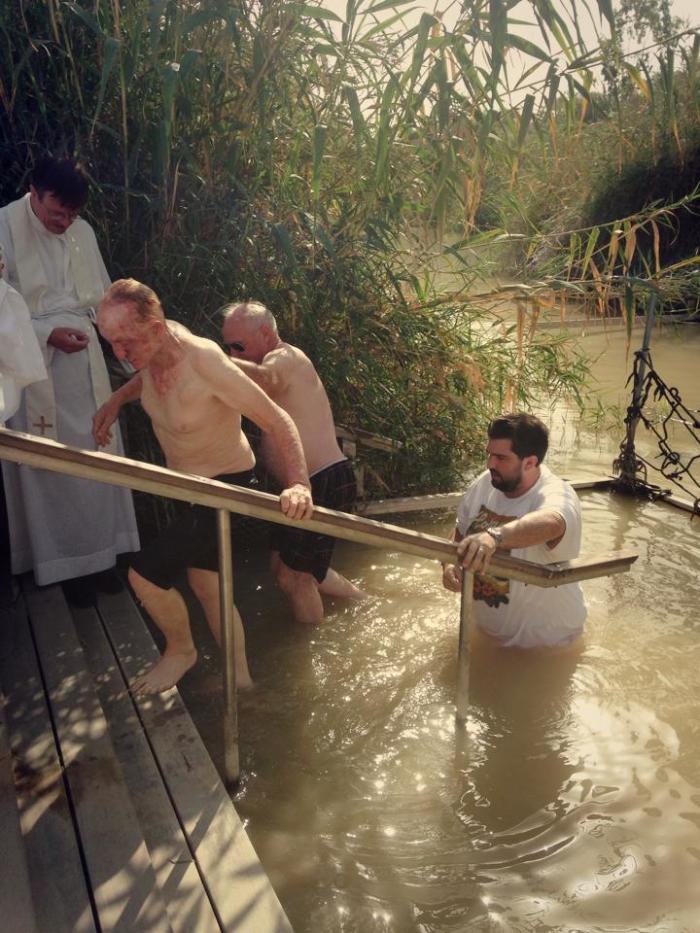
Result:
68,339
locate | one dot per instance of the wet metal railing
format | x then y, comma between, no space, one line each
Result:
46,454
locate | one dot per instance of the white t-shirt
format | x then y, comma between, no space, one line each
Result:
520,614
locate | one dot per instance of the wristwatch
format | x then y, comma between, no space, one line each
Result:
496,534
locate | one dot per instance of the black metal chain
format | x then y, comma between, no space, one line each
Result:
676,467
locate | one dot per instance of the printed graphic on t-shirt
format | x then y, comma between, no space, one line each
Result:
488,587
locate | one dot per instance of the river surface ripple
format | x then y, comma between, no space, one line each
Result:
571,800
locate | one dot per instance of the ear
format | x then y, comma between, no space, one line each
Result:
267,333
531,462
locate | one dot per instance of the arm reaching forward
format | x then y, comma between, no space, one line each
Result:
107,414
236,389
474,553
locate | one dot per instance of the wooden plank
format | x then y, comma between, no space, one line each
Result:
238,886
448,500
367,438
15,890
116,858
185,896
56,876
440,500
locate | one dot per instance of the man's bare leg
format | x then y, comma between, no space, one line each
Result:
302,591
205,586
169,612
336,585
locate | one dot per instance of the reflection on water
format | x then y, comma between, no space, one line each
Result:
570,801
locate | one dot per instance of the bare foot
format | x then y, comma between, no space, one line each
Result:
165,674
243,680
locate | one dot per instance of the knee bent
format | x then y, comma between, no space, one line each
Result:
293,581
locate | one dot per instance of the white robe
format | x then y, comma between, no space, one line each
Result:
21,361
60,526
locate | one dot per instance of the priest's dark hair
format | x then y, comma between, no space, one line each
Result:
65,179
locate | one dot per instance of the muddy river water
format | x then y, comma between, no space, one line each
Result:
571,800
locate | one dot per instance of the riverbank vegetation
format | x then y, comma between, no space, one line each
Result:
327,163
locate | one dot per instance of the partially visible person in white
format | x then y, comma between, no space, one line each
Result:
63,528
21,360
21,363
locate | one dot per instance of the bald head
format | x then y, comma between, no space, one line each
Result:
249,330
253,313
143,299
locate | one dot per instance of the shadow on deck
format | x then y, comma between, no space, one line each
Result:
112,815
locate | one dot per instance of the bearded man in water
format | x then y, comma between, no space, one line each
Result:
194,397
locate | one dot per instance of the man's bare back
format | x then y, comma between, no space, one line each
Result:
300,392
300,562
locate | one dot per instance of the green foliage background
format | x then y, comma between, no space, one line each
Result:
320,164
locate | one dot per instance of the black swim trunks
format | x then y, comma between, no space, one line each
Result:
308,551
190,540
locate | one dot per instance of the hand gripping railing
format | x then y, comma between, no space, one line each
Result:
119,471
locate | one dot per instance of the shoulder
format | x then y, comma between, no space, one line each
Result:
207,359
81,228
477,490
556,493
12,205
553,485
202,351
287,357
81,232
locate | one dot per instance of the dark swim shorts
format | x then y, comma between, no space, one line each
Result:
308,551
190,540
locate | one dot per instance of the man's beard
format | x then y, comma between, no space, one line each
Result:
505,485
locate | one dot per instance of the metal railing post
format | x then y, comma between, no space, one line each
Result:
229,648
466,612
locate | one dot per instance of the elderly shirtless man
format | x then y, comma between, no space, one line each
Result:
195,398
300,559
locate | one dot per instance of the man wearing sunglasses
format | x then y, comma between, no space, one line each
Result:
52,259
300,559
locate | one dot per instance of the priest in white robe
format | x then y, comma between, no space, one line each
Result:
61,527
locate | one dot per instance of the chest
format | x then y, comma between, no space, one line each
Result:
176,401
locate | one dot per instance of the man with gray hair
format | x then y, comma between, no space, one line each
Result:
194,397
300,559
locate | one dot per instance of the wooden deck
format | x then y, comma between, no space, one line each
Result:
112,815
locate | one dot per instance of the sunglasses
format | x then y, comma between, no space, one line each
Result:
234,345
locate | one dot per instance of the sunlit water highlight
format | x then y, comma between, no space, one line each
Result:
571,800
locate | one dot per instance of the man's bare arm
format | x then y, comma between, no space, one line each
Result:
545,526
107,414
269,374
234,388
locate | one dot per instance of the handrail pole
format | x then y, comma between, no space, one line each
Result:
229,649
466,614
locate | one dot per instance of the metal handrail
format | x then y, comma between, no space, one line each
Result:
147,477
47,454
